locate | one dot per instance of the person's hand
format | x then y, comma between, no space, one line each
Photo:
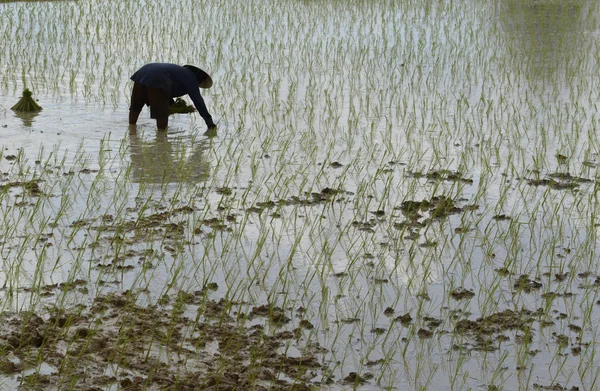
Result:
212,130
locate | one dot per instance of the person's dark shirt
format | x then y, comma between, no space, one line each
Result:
175,81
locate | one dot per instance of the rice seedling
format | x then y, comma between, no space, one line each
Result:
26,103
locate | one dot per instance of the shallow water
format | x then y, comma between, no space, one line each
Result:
367,98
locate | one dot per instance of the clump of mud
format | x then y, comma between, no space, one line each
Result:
527,285
327,194
29,187
420,214
553,387
442,175
486,333
436,208
462,294
558,181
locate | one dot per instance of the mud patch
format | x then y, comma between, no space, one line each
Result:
462,294
421,214
486,333
441,175
327,194
29,187
553,387
115,342
527,285
558,181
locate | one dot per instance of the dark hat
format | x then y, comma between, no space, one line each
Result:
204,79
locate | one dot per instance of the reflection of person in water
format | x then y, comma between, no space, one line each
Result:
157,84
164,161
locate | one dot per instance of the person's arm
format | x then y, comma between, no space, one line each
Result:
201,107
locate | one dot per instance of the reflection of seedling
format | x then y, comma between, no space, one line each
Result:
26,103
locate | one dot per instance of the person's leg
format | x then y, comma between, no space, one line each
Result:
162,124
139,97
159,107
133,117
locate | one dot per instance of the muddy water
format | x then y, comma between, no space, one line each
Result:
416,180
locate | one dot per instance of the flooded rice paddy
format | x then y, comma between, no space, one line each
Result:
399,195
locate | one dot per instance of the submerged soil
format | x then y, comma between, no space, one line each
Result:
195,343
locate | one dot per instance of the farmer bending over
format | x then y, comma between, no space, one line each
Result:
157,84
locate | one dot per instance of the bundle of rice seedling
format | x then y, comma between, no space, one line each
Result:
26,103
180,106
